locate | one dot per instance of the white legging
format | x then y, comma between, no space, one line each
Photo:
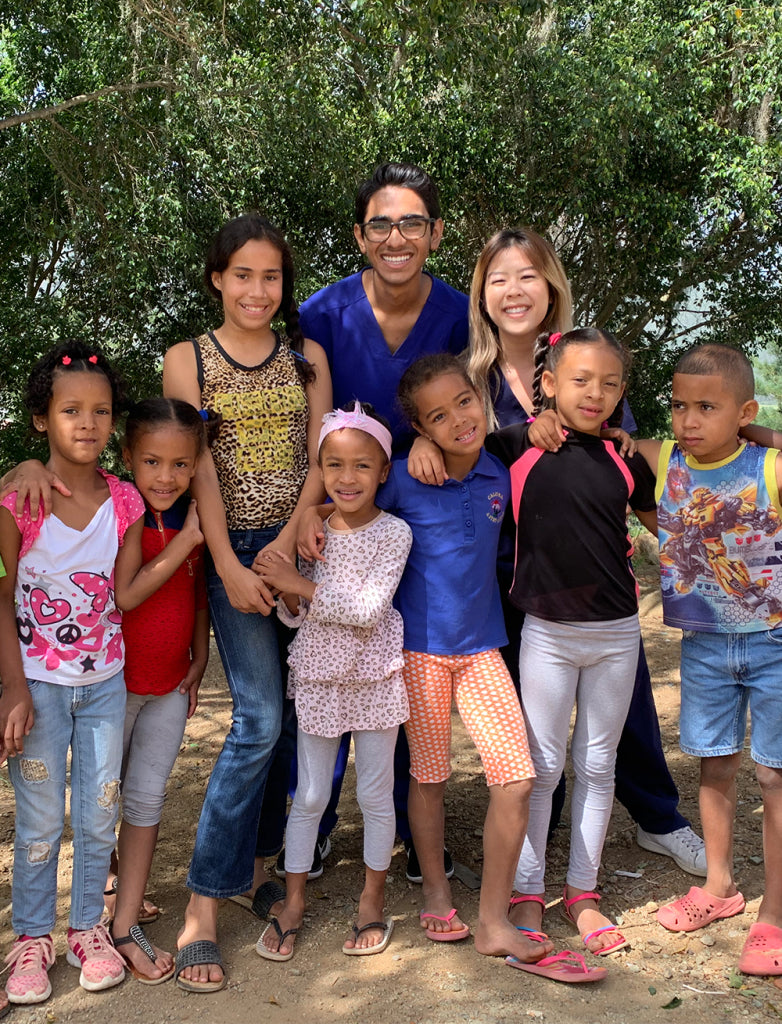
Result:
317,756
591,665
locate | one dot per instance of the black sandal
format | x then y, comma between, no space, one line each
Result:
144,917
136,935
265,897
196,954
262,900
275,954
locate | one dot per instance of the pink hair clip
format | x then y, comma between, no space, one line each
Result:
66,360
530,419
554,338
92,359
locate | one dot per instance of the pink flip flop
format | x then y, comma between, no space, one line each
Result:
566,966
515,900
526,898
697,909
762,952
455,936
621,941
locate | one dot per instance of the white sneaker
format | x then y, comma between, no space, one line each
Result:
683,846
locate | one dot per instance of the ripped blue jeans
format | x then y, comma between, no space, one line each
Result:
89,720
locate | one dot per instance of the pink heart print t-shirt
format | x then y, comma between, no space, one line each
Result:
68,624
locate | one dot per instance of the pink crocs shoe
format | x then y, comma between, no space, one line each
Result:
30,960
697,909
93,951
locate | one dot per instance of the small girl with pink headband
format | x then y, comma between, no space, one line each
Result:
345,669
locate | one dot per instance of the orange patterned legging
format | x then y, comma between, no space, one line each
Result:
488,705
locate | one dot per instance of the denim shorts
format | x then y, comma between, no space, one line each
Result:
723,674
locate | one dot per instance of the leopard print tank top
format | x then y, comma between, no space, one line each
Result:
261,450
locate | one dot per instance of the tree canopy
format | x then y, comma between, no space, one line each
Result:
643,138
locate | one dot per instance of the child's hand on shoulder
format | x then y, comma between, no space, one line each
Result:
627,447
546,431
31,479
425,462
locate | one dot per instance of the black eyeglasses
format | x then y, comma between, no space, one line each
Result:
379,228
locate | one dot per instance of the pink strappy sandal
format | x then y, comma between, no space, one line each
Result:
621,941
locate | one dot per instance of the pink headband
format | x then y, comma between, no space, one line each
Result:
355,420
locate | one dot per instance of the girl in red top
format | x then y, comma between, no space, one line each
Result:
167,646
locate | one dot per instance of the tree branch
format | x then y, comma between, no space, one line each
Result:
74,101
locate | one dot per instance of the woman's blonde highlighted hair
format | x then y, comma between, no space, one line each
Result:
485,353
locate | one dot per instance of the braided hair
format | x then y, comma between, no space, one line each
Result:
549,349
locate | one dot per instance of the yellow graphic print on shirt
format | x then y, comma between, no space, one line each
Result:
262,426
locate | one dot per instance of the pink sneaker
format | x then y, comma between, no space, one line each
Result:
31,960
93,951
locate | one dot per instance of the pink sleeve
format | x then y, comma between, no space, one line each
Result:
128,503
133,508
28,527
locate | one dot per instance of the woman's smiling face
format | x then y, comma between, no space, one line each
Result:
516,294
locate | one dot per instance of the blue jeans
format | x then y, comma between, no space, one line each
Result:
281,779
89,719
224,854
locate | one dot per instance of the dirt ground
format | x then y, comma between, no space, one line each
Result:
662,978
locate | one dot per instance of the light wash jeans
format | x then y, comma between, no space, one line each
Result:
224,854
87,719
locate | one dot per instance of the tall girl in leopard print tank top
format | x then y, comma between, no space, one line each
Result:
272,391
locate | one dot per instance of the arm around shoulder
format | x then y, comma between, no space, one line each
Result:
764,436
31,479
319,399
508,443
365,604
650,450
180,374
